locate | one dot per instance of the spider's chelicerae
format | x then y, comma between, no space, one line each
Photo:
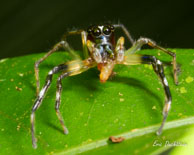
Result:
101,50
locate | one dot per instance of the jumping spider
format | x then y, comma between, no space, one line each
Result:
101,50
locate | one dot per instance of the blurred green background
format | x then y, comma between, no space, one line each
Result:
35,26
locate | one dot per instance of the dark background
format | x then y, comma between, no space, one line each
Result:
32,26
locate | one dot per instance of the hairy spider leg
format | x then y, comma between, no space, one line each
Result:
158,68
142,41
58,101
40,97
37,63
83,38
62,44
135,59
74,67
70,68
125,31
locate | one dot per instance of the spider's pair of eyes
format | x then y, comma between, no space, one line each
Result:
97,31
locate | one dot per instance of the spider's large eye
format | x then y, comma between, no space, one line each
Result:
96,31
106,30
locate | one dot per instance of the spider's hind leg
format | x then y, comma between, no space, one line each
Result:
74,67
135,59
58,101
158,68
40,97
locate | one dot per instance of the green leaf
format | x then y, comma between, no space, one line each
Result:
128,105
188,144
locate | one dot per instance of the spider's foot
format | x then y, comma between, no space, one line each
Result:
158,133
34,145
65,130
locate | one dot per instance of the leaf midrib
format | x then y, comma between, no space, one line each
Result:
128,135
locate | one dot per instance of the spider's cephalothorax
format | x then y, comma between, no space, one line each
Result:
101,50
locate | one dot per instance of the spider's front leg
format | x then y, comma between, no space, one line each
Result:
62,44
71,68
129,37
83,38
135,59
142,41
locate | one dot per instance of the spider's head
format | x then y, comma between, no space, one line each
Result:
100,42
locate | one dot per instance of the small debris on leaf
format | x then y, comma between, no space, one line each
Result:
21,74
158,88
17,88
116,139
120,94
183,90
189,79
133,130
122,99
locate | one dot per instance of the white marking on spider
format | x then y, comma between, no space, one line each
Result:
51,72
62,42
32,117
165,82
146,40
159,62
57,96
169,102
100,27
42,92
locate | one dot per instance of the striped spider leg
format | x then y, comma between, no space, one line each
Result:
69,69
62,44
135,59
129,37
142,41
